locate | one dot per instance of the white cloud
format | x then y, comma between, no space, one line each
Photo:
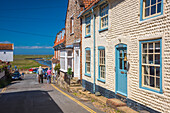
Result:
6,42
33,47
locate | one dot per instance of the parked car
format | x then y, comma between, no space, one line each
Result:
16,75
35,70
31,69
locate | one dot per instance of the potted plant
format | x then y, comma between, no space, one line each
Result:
69,74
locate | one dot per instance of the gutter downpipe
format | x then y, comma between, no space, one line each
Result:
94,77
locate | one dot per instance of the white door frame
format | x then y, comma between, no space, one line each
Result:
77,68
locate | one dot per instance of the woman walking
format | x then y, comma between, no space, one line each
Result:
48,76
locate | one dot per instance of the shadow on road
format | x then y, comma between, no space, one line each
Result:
28,102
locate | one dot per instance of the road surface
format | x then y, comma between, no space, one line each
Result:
28,96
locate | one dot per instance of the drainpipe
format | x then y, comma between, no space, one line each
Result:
94,77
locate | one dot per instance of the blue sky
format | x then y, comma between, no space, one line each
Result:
31,24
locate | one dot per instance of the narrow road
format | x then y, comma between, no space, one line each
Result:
28,96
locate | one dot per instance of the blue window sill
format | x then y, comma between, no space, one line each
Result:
87,36
150,17
86,74
101,80
160,92
100,30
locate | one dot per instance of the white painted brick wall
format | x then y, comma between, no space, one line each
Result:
8,57
124,24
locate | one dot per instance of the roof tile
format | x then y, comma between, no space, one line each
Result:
87,2
6,46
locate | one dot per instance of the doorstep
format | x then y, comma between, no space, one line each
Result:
114,103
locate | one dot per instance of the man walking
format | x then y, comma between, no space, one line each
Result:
40,75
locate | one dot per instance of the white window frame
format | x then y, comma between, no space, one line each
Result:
150,63
88,23
70,57
65,59
106,16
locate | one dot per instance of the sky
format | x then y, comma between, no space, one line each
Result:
31,25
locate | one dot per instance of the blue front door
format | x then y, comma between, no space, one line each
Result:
121,69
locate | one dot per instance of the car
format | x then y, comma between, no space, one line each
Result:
35,70
30,69
16,75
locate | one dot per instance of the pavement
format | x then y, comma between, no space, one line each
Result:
28,96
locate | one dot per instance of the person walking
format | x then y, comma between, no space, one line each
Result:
48,76
40,75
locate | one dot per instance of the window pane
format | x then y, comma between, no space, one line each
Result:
151,59
150,47
120,63
157,47
125,65
88,29
159,8
87,58
146,80
145,58
107,21
152,82
120,53
152,70
157,59
87,52
147,12
145,48
69,53
69,62
62,53
153,2
147,3
62,63
153,9
158,71
157,83
159,0
102,71
88,67
145,69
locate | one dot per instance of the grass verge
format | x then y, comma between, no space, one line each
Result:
25,62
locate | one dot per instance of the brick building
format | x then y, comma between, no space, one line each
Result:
70,57
125,52
59,44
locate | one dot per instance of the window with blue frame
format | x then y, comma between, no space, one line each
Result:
101,62
151,8
88,61
87,21
104,9
150,65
